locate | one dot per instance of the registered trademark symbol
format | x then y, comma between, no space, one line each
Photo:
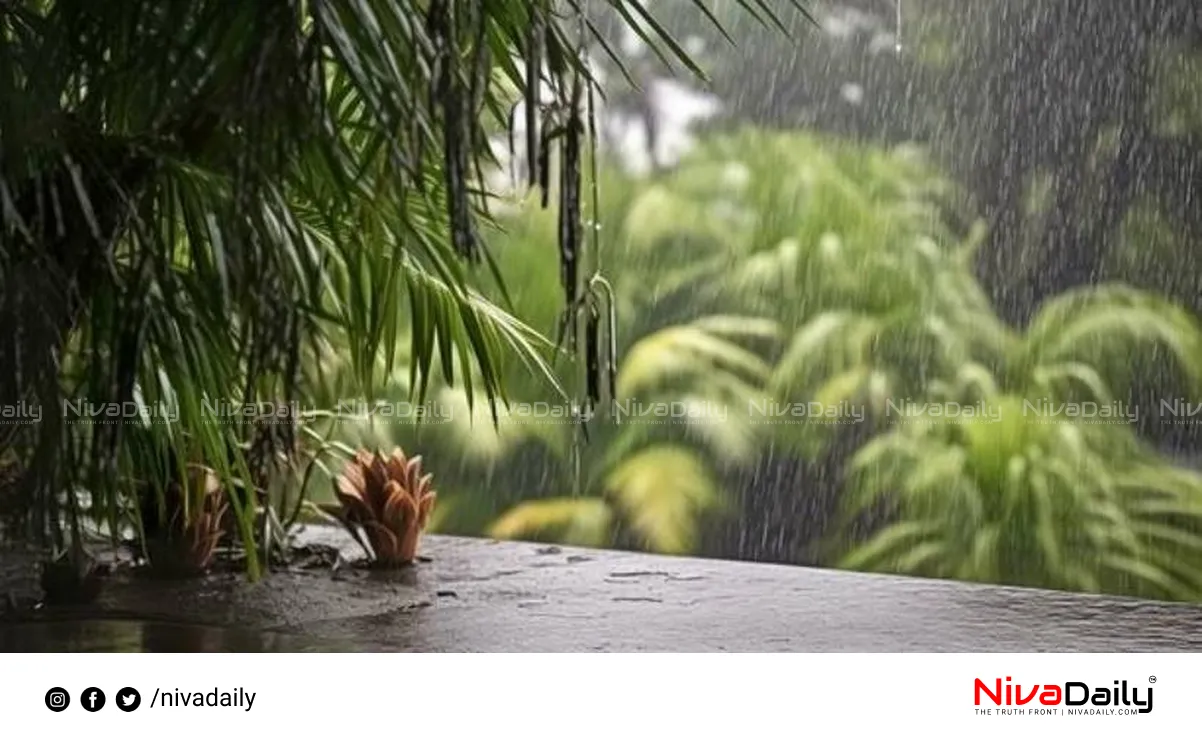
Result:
1151,679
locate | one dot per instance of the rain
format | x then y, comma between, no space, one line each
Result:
888,286
986,208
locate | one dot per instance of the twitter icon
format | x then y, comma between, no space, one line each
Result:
128,699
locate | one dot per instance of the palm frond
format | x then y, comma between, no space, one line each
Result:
661,492
204,192
1033,500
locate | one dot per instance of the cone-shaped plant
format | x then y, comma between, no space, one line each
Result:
185,541
388,500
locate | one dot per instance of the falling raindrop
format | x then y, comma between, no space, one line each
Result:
897,47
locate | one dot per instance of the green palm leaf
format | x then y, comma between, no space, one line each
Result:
234,184
1030,500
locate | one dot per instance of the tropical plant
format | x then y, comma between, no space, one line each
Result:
648,476
680,247
388,501
1027,498
489,467
1053,176
1096,342
195,194
1108,347
183,525
845,246
638,471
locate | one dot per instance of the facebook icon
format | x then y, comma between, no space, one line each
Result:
92,699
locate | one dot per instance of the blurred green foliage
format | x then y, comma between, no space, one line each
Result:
787,266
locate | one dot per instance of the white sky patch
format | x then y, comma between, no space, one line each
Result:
678,108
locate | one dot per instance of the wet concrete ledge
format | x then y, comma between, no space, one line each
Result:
480,595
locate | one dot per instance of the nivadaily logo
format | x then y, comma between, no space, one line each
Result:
1071,698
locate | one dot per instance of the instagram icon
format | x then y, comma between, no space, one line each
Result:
57,699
